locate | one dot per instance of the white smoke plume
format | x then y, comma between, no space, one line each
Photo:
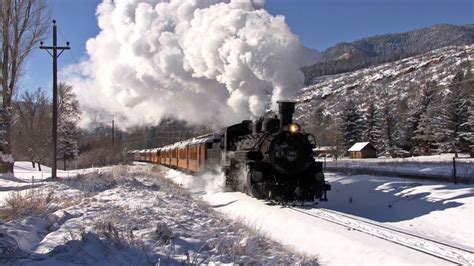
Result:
197,60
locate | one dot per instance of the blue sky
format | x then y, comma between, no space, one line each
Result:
319,24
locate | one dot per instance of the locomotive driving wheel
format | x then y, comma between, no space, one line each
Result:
255,186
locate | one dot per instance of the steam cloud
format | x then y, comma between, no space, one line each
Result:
200,61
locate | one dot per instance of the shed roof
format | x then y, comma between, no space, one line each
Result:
323,148
359,146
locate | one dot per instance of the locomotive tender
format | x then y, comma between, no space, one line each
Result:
269,158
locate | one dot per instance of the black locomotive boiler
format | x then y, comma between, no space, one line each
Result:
273,158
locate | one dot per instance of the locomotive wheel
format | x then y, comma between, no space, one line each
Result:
257,191
254,189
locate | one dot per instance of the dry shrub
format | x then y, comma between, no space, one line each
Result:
163,233
100,181
19,204
110,232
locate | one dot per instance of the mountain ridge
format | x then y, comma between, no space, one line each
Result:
350,56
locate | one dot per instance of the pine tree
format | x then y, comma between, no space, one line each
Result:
388,123
467,86
414,115
67,146
400,115
68,117
426,135
470,122
351,124
455,133
320,127
373,130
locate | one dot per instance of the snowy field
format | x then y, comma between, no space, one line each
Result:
131,215
124,215
433,166
28,177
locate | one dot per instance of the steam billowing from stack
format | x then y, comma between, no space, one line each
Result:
201,61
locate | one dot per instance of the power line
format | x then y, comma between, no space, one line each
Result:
83,78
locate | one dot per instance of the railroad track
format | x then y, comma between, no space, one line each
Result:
445,251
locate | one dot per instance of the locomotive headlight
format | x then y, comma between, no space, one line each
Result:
294,128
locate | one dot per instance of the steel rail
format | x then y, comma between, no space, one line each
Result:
445,251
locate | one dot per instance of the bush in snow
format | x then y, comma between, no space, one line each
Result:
108,230
99,181
20,204
163,233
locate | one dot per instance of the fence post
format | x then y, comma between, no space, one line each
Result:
324,170
454,171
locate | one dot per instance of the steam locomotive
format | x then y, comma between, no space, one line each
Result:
270,158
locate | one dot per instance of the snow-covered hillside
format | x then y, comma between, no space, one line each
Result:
396,80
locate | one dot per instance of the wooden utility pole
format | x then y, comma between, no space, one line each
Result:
55,56
113,132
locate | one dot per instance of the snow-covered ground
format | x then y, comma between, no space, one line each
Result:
28,177
440,211
126,215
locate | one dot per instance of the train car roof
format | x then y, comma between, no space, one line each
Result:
208,138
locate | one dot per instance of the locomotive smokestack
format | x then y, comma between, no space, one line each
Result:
257,125
286,110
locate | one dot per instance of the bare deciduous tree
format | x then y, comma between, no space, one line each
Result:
23,25
33,124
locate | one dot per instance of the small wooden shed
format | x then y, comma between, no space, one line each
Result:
362,150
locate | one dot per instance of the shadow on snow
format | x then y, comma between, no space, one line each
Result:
391,200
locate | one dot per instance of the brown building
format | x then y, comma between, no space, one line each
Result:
362,150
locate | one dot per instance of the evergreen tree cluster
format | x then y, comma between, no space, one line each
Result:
439,120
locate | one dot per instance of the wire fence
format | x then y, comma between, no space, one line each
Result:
448,169
29,176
